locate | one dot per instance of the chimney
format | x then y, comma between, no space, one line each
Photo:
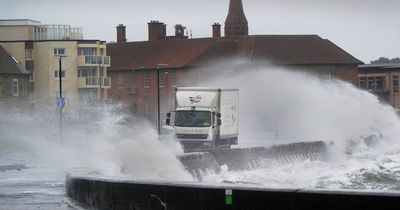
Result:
157,30
121,34
216,30
180,31
236,22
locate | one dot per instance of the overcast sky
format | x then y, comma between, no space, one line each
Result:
367,29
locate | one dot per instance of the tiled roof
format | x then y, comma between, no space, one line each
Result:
8,64
277,49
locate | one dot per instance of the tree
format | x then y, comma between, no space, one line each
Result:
384,60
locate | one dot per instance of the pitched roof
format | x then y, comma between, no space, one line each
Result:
277,49
175,53
8,64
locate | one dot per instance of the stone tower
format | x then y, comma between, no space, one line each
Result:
236,22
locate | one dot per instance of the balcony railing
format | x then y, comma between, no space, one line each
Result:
94,60
94,82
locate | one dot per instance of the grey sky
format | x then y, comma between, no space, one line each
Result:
366,29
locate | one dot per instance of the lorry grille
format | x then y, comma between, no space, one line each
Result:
192,136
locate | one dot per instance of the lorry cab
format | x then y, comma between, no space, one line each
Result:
197,118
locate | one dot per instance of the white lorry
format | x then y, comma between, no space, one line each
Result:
205,118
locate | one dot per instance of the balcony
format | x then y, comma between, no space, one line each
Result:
89,82
94,60
94,82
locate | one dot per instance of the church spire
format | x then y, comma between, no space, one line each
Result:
236,22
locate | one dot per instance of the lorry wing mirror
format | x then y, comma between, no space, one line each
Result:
168,121
219,122
219,115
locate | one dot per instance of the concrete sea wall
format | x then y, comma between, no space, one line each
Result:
112,194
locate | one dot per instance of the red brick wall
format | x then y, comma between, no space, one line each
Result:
122,94
348,73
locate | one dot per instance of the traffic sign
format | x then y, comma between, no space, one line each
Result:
60,102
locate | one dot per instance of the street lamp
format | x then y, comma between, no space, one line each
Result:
60,99
158,98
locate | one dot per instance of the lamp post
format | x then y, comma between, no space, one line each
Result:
60,99
158,98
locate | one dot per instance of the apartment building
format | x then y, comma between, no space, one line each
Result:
45,49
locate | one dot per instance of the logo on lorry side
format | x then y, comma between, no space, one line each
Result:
194,100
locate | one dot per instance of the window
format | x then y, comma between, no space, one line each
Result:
363,82
87,73
147,79
28,54
15,87
133,108
59,51
56,76
147,105
173,79
193,119
86,51
395,83
325,75
132,78
120,80
161,78
372,83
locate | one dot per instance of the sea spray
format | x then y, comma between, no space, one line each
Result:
105,143
280,105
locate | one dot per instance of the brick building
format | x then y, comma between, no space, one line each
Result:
14,90
381,80
188,62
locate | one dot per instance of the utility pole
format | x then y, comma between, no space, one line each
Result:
60,99
158,99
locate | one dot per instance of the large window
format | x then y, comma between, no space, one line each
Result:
193,119
395,83
87,72
132,78
86,51
147,79
59,51
162,78
147,105
174,79
15,87
56,74
325,75
372,83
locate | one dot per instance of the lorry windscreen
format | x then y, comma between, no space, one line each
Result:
193,119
